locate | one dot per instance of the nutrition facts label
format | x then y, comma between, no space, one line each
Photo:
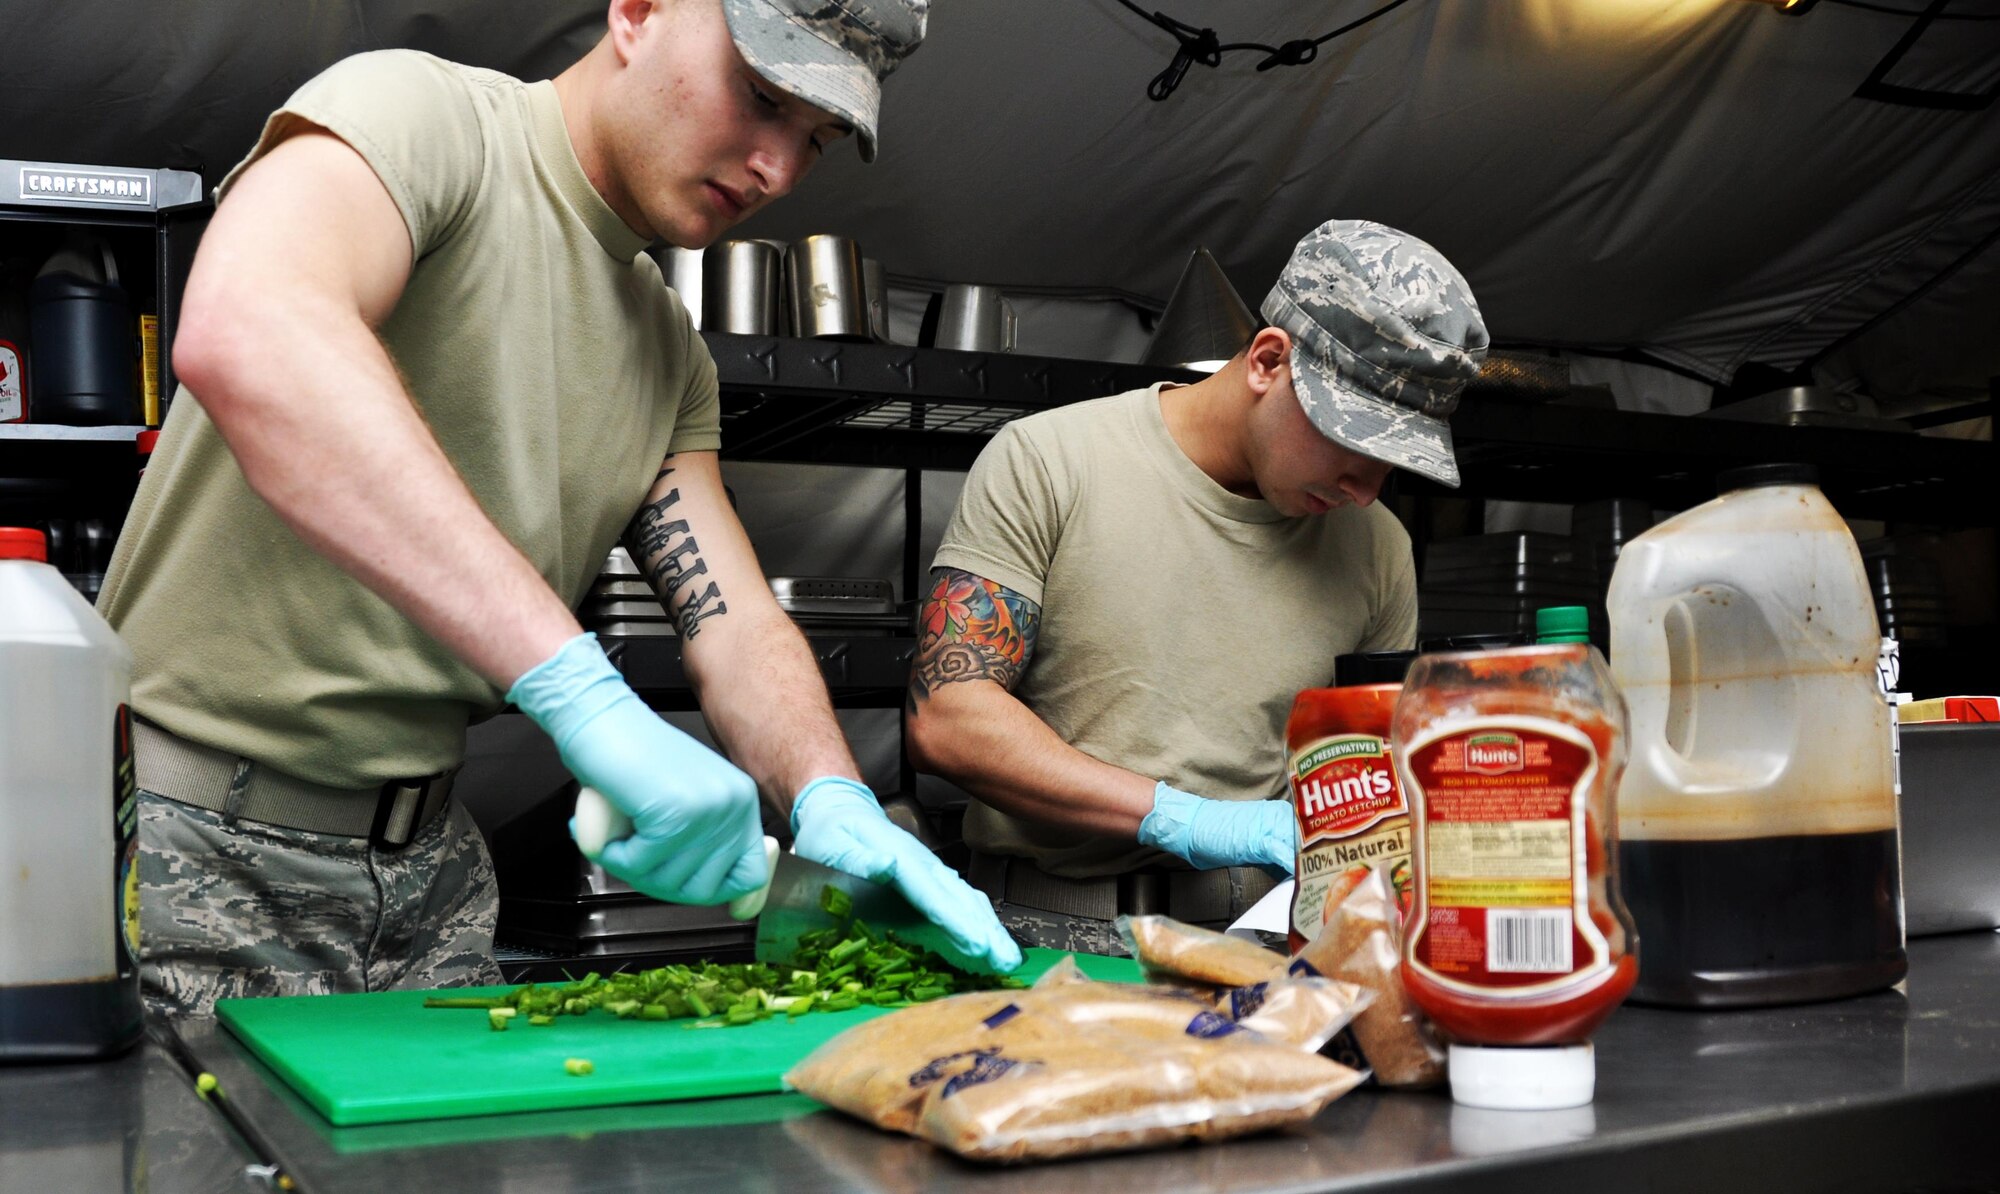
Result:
1502,815
1485,864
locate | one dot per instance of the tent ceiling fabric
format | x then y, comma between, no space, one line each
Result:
1691,178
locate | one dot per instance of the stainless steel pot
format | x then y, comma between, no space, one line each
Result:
974,319
682,269
827,298
875,288
740,287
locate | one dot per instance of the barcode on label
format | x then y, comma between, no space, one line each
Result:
1528,940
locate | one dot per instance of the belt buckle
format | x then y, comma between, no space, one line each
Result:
401,810
1143,893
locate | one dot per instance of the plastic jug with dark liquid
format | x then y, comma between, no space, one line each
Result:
69,909
1760,852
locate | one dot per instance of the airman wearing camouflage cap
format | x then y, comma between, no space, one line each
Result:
1199,553
1385,333
833,54
298,735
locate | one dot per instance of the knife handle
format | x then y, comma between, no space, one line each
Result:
599,823
746,907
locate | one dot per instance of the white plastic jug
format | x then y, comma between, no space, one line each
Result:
69,979
1759,848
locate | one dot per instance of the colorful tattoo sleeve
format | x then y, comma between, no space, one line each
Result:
970,628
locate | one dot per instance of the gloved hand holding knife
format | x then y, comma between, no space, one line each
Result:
678,822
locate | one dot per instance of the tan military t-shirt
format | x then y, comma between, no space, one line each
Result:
1178,619
551,362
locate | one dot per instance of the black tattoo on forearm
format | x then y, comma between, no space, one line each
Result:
671,560
970,628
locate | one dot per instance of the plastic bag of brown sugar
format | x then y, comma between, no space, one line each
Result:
1065,973
1302,1012
1362,943
1168,947
1066,1069
865,1070
1116,1083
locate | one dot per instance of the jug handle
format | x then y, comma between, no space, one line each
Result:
1654,651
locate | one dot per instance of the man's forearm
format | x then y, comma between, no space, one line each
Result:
982,738
766,703
378,497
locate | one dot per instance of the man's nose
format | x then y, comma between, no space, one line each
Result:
778,168
1363,486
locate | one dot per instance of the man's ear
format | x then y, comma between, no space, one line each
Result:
1270,353
626,22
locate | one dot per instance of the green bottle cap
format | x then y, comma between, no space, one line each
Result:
1562,624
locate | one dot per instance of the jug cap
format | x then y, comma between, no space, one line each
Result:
23,543
1562,624
1759,476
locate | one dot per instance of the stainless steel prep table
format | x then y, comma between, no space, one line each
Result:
132,1123
1891,1092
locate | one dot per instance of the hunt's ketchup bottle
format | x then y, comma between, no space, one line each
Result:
1344,792
1518,943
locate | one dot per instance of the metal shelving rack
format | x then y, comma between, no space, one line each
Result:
893,406
93,469
884,405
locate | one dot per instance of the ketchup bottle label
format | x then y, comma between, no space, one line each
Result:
1352,817
1504,905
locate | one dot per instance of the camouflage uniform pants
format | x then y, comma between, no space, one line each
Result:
1088,935
244,908
1058,930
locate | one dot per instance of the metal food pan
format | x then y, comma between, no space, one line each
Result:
619,564
625,589
1951,827
834,594
630,629
642,611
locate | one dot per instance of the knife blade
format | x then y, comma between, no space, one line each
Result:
793,909
790,906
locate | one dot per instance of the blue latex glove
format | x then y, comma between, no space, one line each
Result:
838,823
1219,833
697,837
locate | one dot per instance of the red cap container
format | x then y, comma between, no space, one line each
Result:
23,543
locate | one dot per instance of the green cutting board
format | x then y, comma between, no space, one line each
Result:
385,1058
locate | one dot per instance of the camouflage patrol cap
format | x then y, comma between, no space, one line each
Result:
833,54
1384,336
